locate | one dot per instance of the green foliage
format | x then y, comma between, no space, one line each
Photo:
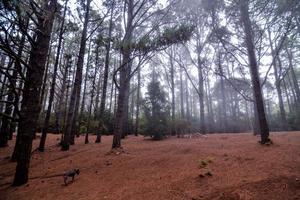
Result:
82,129
108,122
293,119
156,111
169,36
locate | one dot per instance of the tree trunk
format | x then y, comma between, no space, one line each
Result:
105,78
278,85
125,129
201,96
172,92
92,94
287,95
30,103
16,151
12,99
45,79
97,100
4,85
259,102
223,101
53,83
62,99
187,97
75,96
85,81
181,94
124,78
210,107
138,103
111,94
293,74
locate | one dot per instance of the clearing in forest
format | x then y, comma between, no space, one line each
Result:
216,166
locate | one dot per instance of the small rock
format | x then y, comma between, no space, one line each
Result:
201,176
208,173
108,162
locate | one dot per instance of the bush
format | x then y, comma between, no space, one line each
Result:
156,110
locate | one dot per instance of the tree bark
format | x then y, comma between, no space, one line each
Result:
62,99
92,94
12,99
201,95
172,92
278,85
138,103
257,92
181,94
294,78
85,81
75,95
124,78
105,78
111,94
30,103
223,108
53,83
187,97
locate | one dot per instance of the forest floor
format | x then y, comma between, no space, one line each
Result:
216,166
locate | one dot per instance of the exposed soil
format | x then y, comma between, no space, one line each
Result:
216,166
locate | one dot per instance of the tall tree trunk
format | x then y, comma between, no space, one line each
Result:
111,93
62,99
132,105
201,96
287,94
75,96
181,94
294,78
105,77
278,85
187,97
85,81
259,102
115,101
53,83
4,84
45,79
291,86
209,102
16,151
223,101
98,91
92,94
124,78
12,99
172,92
138,103
68,87
30,103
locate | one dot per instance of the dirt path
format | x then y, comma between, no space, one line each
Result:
240,168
